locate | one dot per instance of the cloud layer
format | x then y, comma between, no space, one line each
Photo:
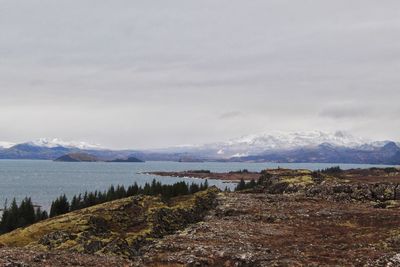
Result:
158,73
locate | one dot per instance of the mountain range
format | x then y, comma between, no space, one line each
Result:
312,146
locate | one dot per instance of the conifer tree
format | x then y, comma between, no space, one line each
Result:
59,206
241,185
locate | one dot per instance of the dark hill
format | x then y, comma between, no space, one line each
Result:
28,151
77,157
130,159
326,153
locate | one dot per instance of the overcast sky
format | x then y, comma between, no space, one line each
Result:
144,74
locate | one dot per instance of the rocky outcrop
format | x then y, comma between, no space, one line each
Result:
380,193
119,228
290,229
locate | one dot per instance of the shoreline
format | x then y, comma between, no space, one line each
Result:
233,177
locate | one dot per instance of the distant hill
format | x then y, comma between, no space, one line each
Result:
86,157
130,159
313,147
47,150
29,151
77,157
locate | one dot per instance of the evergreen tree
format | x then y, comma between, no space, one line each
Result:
12,220
146,189
120,192
251,184
4,218
241,185
206,184
74,203
194,188
26,213
133,190
40,215
16,216
59,206
111,193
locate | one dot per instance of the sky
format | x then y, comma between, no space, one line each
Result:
148,74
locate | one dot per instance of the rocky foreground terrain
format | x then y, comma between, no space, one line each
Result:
291,218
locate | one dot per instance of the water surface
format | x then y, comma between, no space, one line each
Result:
45,180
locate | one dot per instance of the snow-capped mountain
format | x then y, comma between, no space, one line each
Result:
256,144
5,145
313,146
57,142
45,148
277,141
289,140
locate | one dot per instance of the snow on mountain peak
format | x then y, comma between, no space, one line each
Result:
273,141
57,142
6,144
289,140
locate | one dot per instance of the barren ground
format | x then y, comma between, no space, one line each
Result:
283,230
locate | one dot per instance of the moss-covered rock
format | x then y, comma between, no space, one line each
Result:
119,227
280,181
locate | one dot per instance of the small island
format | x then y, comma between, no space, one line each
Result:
78,157
130,159
85,157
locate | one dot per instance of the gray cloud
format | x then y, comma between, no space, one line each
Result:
230,115
346,111
155,73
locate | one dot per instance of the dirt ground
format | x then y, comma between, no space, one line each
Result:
284,230
20,257
257,229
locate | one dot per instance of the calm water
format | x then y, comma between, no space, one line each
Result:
46,180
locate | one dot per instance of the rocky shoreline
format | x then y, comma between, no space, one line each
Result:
234,176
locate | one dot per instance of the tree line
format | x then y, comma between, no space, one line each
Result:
21,215
61,205
24,214
242,185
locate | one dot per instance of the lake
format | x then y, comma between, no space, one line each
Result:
45,180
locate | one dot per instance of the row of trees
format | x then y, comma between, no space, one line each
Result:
21,215
242,185
331,170
26,213
61,205
240,171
